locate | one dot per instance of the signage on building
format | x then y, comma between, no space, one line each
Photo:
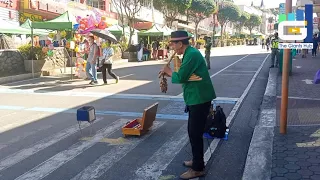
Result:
57,7
79,9
33,17
11,4
282,8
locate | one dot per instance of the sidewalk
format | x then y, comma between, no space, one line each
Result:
295,155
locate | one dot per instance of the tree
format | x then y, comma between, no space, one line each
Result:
275,11
120,11
228,12
253,22
242,20
199,10
128,9
172,8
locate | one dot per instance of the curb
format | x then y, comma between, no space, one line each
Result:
120,61
20,77
259,159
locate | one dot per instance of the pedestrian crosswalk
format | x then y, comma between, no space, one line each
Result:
86,158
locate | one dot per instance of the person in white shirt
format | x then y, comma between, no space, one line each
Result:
106,62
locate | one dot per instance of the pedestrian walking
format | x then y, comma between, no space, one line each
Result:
208,51
268,43
197,96
315,45
274,51
263,43
91,67
106,62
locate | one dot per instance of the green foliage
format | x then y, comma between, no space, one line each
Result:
201,41
200,9
35,54
253,22
244,17
229,12
172,8
270,20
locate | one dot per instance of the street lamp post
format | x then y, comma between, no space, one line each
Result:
285,82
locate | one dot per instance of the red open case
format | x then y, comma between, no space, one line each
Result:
140,126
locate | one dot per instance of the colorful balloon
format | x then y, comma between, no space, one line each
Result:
51,35
51,47
76,49
63,34
45,49
48,42
102,25
50,53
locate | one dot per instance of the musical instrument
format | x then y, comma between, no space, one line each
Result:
177,64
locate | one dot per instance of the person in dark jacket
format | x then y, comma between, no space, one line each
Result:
208,51
315,45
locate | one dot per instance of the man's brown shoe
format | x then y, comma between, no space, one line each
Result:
187,163
190,174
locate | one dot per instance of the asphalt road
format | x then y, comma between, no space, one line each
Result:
40,137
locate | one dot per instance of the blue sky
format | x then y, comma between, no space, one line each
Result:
267,3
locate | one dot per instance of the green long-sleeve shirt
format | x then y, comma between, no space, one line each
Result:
194,92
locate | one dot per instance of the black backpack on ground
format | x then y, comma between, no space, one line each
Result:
216,123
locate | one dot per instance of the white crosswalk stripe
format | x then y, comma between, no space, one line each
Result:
106,161
152,168
27,152
63,157
160,160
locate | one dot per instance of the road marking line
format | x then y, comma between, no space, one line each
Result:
301,98
40,145
106,161
108,95
160,160
20,81
213,75
235,74
115,113
25,135
228,66
240,71
11,107
45,168
215,142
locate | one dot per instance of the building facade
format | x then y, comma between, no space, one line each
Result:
41,10
9,11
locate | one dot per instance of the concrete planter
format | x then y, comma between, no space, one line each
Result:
133,57
37,65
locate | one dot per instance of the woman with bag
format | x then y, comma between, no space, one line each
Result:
106,62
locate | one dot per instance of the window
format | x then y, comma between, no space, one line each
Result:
100,4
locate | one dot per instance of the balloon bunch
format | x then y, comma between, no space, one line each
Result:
63,34
90,22
49,49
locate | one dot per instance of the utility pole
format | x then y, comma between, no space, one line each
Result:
285,81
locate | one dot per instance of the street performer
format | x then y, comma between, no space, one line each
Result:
197,96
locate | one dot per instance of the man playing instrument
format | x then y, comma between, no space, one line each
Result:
197,95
